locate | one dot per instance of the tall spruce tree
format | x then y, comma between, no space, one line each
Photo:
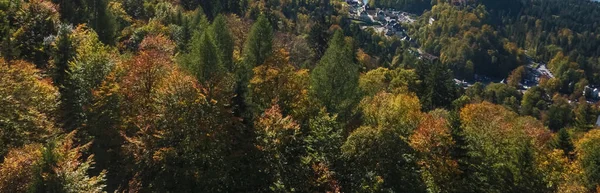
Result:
223,40
440,89
204,62
73,11
63,53
334,81
259,44
257,48
102,21
563,141
69,86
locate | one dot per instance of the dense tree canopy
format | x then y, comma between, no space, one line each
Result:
299,96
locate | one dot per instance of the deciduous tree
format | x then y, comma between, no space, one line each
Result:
278,137
277,81
588,156
29,105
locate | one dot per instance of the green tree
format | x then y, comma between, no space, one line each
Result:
223,40
440,89
135,8
334,81
63,55
500,147
563,141
259,44
533,102
589,158
516,76
257,48
102,20
73,11
502,94
585,116
191,23
378,156
379,160
203,62
32,23
70,106
85,71
323,143
559,113
475,92
8,10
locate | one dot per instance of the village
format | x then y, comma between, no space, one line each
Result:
386,21
389,22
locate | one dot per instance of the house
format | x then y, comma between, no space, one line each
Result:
353,2
596,93
389,33
371,12
592,93
398,27
381,15
364,16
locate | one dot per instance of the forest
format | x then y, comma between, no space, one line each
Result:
298,96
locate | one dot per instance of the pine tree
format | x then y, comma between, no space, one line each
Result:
72,11
258,47
317,37
440,89
102,21
459,152
63,54
223,40
334,81
204,62
529,178
186,35
70,107
192,23
563,141
259,44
